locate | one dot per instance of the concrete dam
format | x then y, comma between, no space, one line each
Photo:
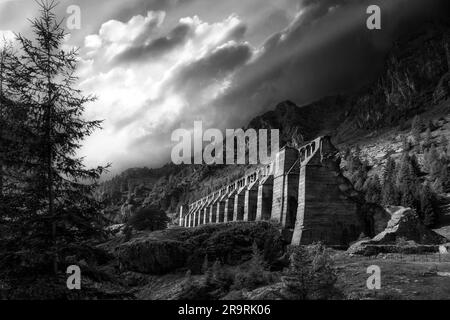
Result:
302,190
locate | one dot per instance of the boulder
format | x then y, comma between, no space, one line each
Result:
405,224
360,247
443,250
271,292
405,233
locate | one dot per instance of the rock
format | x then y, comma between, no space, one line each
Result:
442,91
165,251
361,248
133,279
152,256
127,210
234,295
271,292
444,274
405,224
404,227
71,259
116,229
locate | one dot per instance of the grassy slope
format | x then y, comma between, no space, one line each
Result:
408,277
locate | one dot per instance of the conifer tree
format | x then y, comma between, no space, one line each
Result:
406,144
373,189
389,193
14,134
406,182
59,207
427,140
4,107
427,211
416,129
445,145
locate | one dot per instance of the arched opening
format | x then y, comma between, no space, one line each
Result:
302,155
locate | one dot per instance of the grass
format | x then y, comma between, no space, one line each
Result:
406,279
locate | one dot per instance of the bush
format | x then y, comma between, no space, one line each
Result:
256,276
150,218
311,274
221,276
216,283
402,242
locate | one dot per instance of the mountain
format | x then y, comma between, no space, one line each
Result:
415,81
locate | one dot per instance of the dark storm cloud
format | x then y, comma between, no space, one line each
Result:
238,32
301,50
157,47
326,50
141,49
216,65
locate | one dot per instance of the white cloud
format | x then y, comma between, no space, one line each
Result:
119,32
6,36
142,101
93,41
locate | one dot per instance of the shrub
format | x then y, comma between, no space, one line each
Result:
401,242
150,218
221,276
311,274
256,275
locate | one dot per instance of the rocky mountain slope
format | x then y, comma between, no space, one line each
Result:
415,81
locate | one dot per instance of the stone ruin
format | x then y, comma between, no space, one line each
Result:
303,190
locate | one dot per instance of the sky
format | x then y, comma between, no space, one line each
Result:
159,65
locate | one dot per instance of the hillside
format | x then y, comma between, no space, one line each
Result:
377,118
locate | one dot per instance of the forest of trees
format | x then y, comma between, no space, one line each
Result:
46,192
405,182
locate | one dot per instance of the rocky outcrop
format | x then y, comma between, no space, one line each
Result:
405,233
271,292
165,251
152,257
442,91
405,224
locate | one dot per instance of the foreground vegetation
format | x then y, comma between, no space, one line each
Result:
48,213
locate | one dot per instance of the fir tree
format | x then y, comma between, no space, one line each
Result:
406,182
373,189
389,193
428,139
311,274
359,177
406,145
427,212
207,271
5,58
416,129
445,145
14,135
431,157
354,161
59,208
